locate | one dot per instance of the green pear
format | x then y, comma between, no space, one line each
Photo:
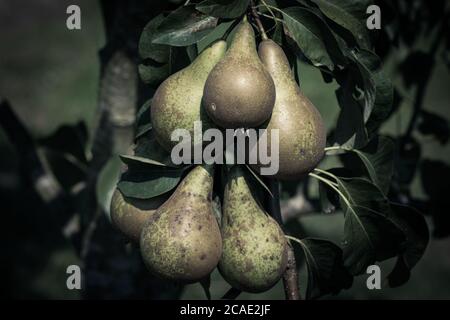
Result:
181,241
254,253
239,92
176,103
128,215
302,134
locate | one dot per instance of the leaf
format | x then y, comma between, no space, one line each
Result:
259,180
378,89
417,236
306,28
148,49
145,184
183,27
143,121
326,271
153,74
378,158
147,147
350,131
107,181
327,198
369,233
140,161
338,11
223,8
206,284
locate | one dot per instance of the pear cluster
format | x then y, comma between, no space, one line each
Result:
179,236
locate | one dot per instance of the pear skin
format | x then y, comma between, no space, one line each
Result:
128,215
176,103
181,241
239,92
302,134
254,253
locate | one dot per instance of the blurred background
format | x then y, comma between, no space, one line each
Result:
52,112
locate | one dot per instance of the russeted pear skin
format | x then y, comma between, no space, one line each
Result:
177,103
128,215
302,134
181,241
254,253
239,92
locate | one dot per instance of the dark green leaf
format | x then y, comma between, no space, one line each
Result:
183,27
350,131
415,229
147,147
378,89
326,271
143,121
206,284
340,13
307,29
370,234
149,50
145,184
327,198
223,8
153,74
378,158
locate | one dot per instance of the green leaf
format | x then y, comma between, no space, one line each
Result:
417,236
340,13
206,285
143,121
140,161
326,271
149,50
378,158
153,74
370,234
307,29
107,181
378,89
223,8
147,147
350,131
145,184
183,27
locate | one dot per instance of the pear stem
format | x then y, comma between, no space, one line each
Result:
290,276
258,20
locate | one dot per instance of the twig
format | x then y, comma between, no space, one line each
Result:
290,276
258,21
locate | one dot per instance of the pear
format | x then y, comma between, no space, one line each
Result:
181,241
239,92
254,253
128,215
176,103
302,134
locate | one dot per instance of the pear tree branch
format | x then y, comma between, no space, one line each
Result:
290,276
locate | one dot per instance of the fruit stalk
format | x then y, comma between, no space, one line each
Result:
258,21
290,276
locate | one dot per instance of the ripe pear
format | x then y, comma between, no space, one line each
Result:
181,241
254,253
128,215
302,134
239,92
176,103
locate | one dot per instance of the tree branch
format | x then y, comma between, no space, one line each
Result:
258,20
290,276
